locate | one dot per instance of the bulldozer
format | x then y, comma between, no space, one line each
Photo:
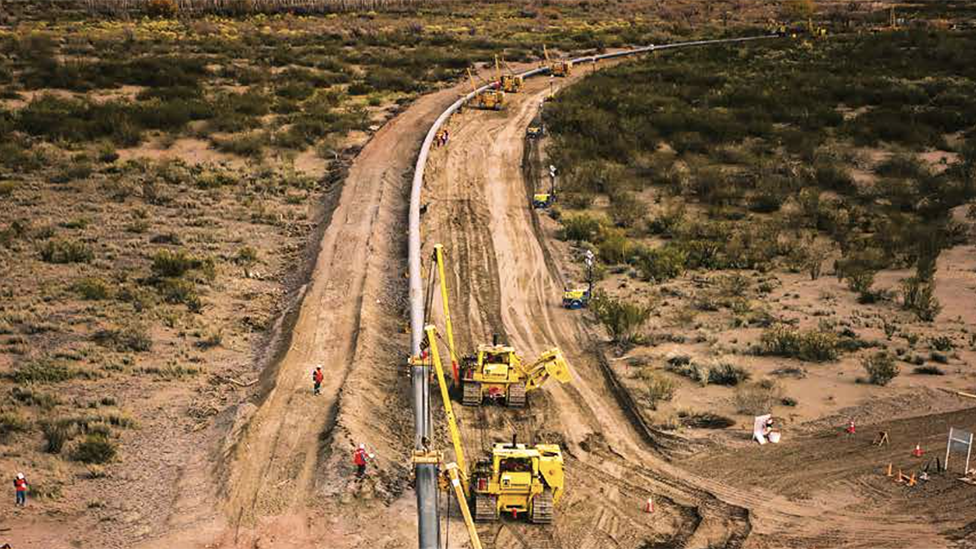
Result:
490,99
557,68
518,479
496,372
510,82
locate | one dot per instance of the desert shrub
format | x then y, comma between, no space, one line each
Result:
249,144
12,422
66,251
881,368
391,80
625,209
829,175
814,346
666,223
134,337
929,371
580,227
33,397
167,264
96,448
43,370
56,435
621,319
660,264
757,398
176,291
942,343
683,366
246,256
615,247
725,373
659,387
91,288
918,296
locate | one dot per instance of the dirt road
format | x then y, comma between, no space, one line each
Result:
504,280
503,283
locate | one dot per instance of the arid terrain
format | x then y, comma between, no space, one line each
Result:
187,232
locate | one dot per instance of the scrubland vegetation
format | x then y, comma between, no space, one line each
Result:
853,157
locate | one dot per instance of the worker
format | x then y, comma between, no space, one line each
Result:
361,457
317,377
850,427
20,486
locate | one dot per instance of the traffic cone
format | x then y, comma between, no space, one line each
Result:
917,452
649,506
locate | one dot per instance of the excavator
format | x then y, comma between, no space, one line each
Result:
490,99
515,478
510,82
496,372
557,68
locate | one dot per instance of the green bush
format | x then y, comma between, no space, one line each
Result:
723,373
56,435
814,346
929,371
881,368
250,144
621,319
43,370
134,337
580,228
614,248
660,264
757,398
92,288
66,251
167,264
918,296
96,448
33,397
626,209
659,387
12,422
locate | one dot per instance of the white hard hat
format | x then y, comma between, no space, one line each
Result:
20,475
362,446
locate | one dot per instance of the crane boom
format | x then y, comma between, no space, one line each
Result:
431,332
439,258
458,482
549,364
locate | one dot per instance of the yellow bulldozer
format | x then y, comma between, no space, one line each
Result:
510,82
491,99
518,479
495,372
557,68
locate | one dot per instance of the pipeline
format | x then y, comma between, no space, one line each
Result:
426,474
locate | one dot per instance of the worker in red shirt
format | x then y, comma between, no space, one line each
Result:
361,457
20,485
317,377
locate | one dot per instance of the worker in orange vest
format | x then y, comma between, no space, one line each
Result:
361,457
20,485
317,377
850,428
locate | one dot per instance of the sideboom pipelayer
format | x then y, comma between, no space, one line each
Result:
426,474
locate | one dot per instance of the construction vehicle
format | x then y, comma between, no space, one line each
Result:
491,98
496,372
511,82
580,297
542,200
518,479
557,68
534,132
515,479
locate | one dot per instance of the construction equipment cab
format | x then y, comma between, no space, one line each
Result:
520,480
496,373
491,98
577,298
509,82
542,200
557,68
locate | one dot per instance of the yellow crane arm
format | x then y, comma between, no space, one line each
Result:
446,397
509,67
458,481
498,70
474,88
550,364
439,258
546,53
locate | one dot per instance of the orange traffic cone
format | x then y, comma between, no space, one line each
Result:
649,506
917,452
